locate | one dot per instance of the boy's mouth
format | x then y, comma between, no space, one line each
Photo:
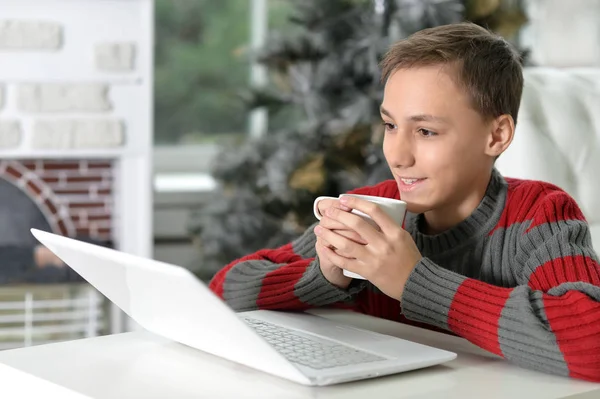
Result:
408,183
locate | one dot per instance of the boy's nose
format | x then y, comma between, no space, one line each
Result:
400,152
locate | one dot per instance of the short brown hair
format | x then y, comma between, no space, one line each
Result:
488,67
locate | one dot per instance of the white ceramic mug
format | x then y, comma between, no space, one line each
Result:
395,209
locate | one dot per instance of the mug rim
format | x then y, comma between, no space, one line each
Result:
375,198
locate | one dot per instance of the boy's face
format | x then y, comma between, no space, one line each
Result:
433,135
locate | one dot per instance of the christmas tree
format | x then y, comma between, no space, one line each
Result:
325,80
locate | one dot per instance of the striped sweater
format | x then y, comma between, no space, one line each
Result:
518,278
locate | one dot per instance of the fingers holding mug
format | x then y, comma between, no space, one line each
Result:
321,204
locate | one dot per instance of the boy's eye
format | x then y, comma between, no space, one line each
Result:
427,133
388,126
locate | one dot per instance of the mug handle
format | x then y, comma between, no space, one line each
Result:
316,203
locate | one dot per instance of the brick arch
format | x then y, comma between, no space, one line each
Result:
41,194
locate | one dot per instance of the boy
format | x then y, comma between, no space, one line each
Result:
504,263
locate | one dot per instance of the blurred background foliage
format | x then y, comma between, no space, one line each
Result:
322,97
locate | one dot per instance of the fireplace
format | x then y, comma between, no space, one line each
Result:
75,156
75,196
69,197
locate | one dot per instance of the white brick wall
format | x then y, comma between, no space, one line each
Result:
77,134
10,134
62,62
76,83
55,97
116,57
26,35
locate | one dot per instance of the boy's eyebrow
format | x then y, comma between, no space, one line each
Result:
416,118
385,112
427,118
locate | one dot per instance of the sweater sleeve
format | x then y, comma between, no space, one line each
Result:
286,278
289,277
549,321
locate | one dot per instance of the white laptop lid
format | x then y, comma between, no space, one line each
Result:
169,301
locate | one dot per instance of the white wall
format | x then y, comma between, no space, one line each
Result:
76,78
563,33
76,82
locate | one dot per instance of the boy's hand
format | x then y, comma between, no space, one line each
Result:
333,224
327,203
332,273
44,257
387,258
329,269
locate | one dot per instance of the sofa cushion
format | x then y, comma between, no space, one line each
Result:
557,138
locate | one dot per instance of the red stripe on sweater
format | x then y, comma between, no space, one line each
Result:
565,269
387,188
378,304
284,296
286,278
284,254
475,312
217,282
558,206
573,318
523,204
521,196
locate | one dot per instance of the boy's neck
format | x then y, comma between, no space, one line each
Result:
439,220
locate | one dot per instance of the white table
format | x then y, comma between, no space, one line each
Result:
142,365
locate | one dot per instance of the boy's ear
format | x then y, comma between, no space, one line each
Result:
501,135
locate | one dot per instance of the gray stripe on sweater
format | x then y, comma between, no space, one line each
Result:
519,262
429,292
243,283
586,288
304,246
314,289
551,241
497,253
525,336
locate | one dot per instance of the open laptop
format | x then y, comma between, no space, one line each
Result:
170,301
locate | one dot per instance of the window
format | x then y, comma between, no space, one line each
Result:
200,63
203,62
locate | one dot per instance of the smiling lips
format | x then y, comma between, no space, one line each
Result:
408,183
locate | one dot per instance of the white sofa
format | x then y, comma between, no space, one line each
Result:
558,136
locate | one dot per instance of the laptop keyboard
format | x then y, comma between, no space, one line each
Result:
307,350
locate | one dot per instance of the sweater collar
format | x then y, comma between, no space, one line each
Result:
479,223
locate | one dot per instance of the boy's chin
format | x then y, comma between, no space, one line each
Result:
416,208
